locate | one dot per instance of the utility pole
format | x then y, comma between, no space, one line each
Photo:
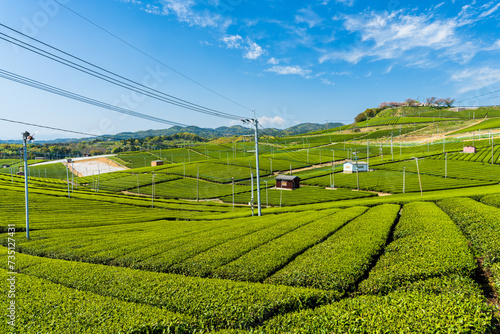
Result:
255,122
271,162
72,176
26,139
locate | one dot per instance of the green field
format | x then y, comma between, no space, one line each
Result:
106,256
487,124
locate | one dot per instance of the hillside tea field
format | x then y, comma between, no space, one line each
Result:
179,248
109,263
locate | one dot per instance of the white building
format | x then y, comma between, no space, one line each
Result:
350,167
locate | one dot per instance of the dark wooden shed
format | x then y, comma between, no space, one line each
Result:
287,182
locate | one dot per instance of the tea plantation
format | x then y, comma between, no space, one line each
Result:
177,248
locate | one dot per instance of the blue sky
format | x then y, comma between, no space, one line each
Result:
291,61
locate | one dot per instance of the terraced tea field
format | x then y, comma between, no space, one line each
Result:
108,263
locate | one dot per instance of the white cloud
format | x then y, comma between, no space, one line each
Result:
273,61
349,3
490,11
253,51
388,69
232,41
272,122
494,46
476,78
327,82
391,35
185,11
308,16
341,73
284,70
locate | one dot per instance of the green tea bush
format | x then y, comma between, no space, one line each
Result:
427,243
340,261
263,261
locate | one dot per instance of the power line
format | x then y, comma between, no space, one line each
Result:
132,85
51,89
474,97
151,57
49,127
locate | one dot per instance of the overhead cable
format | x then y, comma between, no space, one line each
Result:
115,79
51,89
151,57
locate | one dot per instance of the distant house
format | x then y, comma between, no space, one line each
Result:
157,163
350,167
469,149
288,182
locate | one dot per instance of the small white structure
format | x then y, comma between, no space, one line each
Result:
350,167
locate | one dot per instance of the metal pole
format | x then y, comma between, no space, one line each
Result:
271,162
392,151
446,165
233,191
72,175
198,184
267,198
153,191
281,193
26,137
357,169
492,150
67,178
368,153
404,181
419,180
333,170
251,198
259,207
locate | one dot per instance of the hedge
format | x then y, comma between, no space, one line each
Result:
340,261
427,243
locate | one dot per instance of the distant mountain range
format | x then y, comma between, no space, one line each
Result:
223,131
